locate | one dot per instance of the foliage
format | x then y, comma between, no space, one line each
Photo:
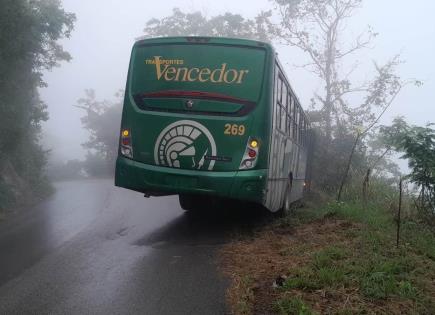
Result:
29,35
196,24
102,120
418,146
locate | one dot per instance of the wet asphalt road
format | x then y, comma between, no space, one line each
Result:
96,249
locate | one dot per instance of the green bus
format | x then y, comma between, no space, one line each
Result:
211,117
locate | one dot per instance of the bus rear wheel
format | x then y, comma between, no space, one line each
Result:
190,202
287,205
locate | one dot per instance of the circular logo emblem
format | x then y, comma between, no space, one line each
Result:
185,144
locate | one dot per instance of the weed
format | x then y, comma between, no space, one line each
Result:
407,290
330,276
378,285
395,265
292,306
323,272
304,279
421,238
328,256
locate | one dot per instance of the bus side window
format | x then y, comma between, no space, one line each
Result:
283,107
278,101
275,104
291,115
301,117
289,107
295,131
305,132
297,118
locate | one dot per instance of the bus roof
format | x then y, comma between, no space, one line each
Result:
204,40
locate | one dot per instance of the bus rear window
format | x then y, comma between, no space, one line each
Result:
230,71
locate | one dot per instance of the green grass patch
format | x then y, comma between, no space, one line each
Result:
355,212
329,256
420,238
292,306
325,271
369,262
304,279
378,285
331,276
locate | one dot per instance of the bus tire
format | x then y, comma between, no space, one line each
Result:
287,207
188,202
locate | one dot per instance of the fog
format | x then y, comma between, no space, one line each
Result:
105,31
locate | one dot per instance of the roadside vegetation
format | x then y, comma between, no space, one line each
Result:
29,45
339,258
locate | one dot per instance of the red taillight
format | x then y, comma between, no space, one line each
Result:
252,153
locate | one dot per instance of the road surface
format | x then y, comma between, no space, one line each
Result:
96,249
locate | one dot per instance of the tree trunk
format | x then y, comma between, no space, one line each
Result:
366,184
348,167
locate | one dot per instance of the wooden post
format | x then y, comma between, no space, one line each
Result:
399,212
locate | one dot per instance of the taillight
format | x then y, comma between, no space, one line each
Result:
250,157
126,148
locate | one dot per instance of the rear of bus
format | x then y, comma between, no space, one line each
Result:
196,118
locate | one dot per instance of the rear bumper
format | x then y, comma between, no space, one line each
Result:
145,178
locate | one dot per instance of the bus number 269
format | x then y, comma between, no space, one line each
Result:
234,130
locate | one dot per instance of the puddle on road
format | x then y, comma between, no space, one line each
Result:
211,228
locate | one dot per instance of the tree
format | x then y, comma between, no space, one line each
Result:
418,145
102,120
344,108
29,35
195,24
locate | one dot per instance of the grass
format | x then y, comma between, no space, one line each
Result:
246,297
292,306
337,259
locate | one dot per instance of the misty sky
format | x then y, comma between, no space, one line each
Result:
106,29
